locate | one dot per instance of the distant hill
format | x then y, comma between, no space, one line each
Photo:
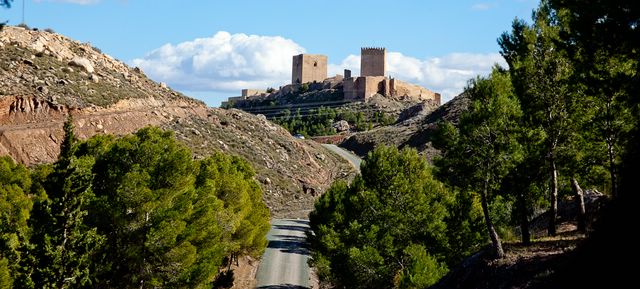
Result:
415,128
45,76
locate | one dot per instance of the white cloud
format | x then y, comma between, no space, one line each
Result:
226,63
447,75
80,2
223,62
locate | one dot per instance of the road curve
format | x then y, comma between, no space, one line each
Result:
284,263
349,156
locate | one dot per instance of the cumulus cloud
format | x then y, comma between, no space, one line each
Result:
80,2
223,62
228,63
447,75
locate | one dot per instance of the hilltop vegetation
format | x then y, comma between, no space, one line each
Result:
127,212
325,121
324,111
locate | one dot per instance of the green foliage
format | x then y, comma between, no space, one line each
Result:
541,73
64,244
6,282
465,226
480,152
391,221
171,221
316,122
304,87
15,207
125,213
424,270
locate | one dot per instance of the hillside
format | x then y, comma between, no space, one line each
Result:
414,128
45,76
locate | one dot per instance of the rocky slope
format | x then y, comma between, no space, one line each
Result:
415,128
45,76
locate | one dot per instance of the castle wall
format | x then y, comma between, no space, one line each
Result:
372,86
364,87
350,89
373,62
308,68
252,92
404,89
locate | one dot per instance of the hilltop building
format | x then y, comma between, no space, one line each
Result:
312,69
373,80
373,61
308,68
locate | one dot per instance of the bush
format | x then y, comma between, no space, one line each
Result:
304,88
49,30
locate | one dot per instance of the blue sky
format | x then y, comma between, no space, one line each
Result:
211,49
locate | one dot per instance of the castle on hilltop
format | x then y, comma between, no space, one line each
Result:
311,69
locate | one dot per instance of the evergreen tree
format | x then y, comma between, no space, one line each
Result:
171,221
64,244
540,72
389,222
481,151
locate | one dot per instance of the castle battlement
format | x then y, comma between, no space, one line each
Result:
373,50
373,61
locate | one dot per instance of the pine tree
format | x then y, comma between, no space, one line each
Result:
540,72
389,222
483,148
64,244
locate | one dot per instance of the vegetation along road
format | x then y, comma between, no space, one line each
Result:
284,262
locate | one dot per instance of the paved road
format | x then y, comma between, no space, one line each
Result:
353,159
284,263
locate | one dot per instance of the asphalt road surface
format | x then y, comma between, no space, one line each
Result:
349,156
284,263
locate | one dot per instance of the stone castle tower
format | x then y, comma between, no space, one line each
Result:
373,61
308,68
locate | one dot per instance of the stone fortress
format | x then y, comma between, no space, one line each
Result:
311,69
308,68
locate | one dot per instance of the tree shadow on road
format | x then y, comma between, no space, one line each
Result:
290,244
291,228
283,286
302,222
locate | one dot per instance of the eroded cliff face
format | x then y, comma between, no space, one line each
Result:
45,77
31,128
